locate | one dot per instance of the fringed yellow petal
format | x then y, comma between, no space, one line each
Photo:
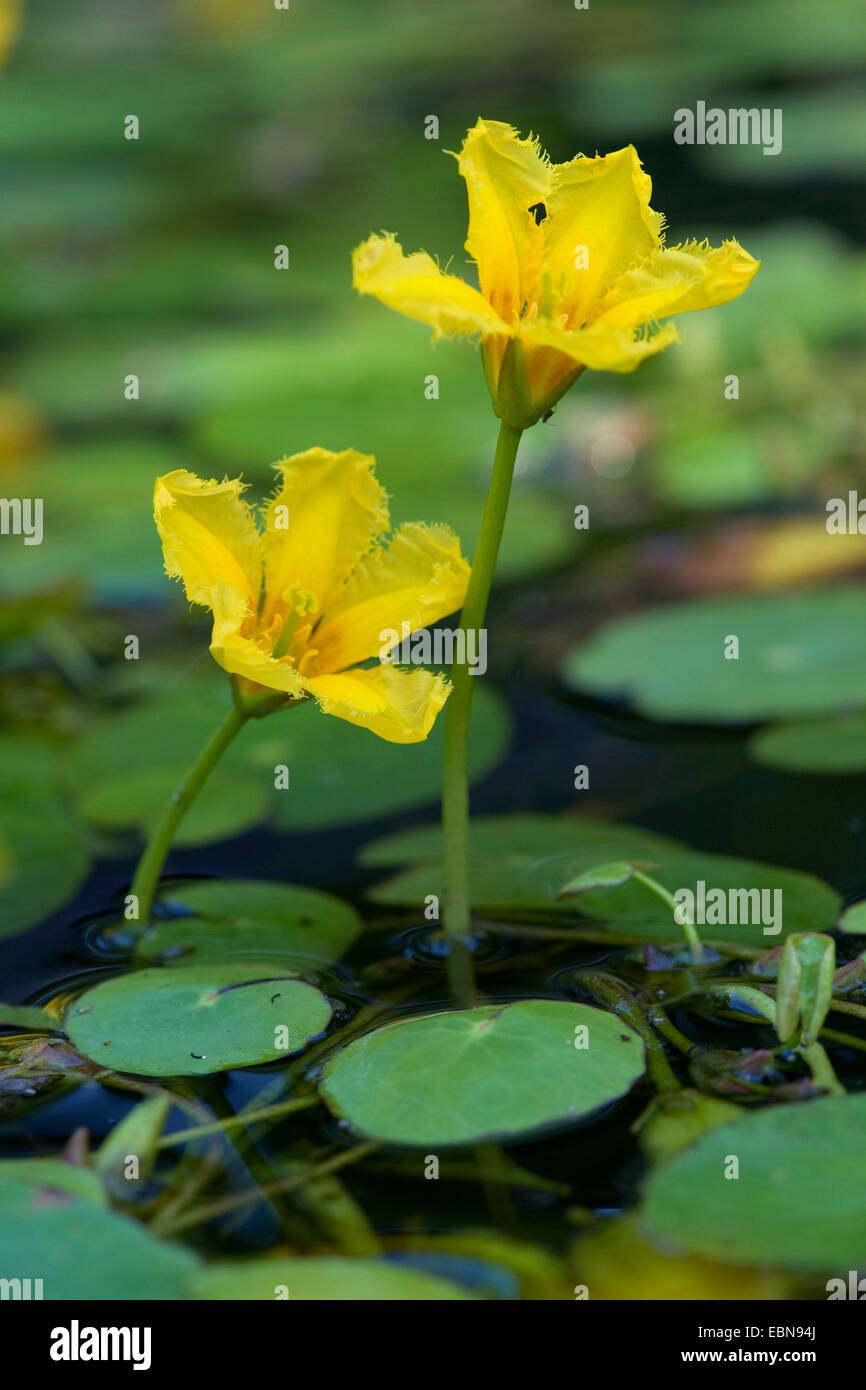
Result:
238,653
602,347
417,579
415,286
328,511
505,177
400,706
677,280
208,534
600,223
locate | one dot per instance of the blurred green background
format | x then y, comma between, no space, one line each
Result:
305,128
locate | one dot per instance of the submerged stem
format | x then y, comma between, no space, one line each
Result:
613,994
339,1159
241,1120
455,793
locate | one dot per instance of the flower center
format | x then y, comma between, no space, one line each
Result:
284,641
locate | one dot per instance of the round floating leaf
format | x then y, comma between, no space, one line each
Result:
106,547
491,1072
246,917
519,837
799,1201
830,746
321,1279
194,1020
799,654
54,1226
511,881
28,761
713,468
227,806
44,859
165,732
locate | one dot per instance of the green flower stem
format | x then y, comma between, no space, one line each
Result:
150,865
689,930
455,794
821,1067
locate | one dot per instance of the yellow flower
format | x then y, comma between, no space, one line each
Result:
299,605
572,269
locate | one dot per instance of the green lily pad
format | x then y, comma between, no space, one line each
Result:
166,732
491,1072
230,804
511,881
799,1201
518,837
320,1279
829,746
714,468
246,917
799,654
44,857
110,549
54,1226
194,1020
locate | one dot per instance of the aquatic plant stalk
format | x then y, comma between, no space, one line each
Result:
607,990
689,929
150,865
241,1120
341,1158
455,793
